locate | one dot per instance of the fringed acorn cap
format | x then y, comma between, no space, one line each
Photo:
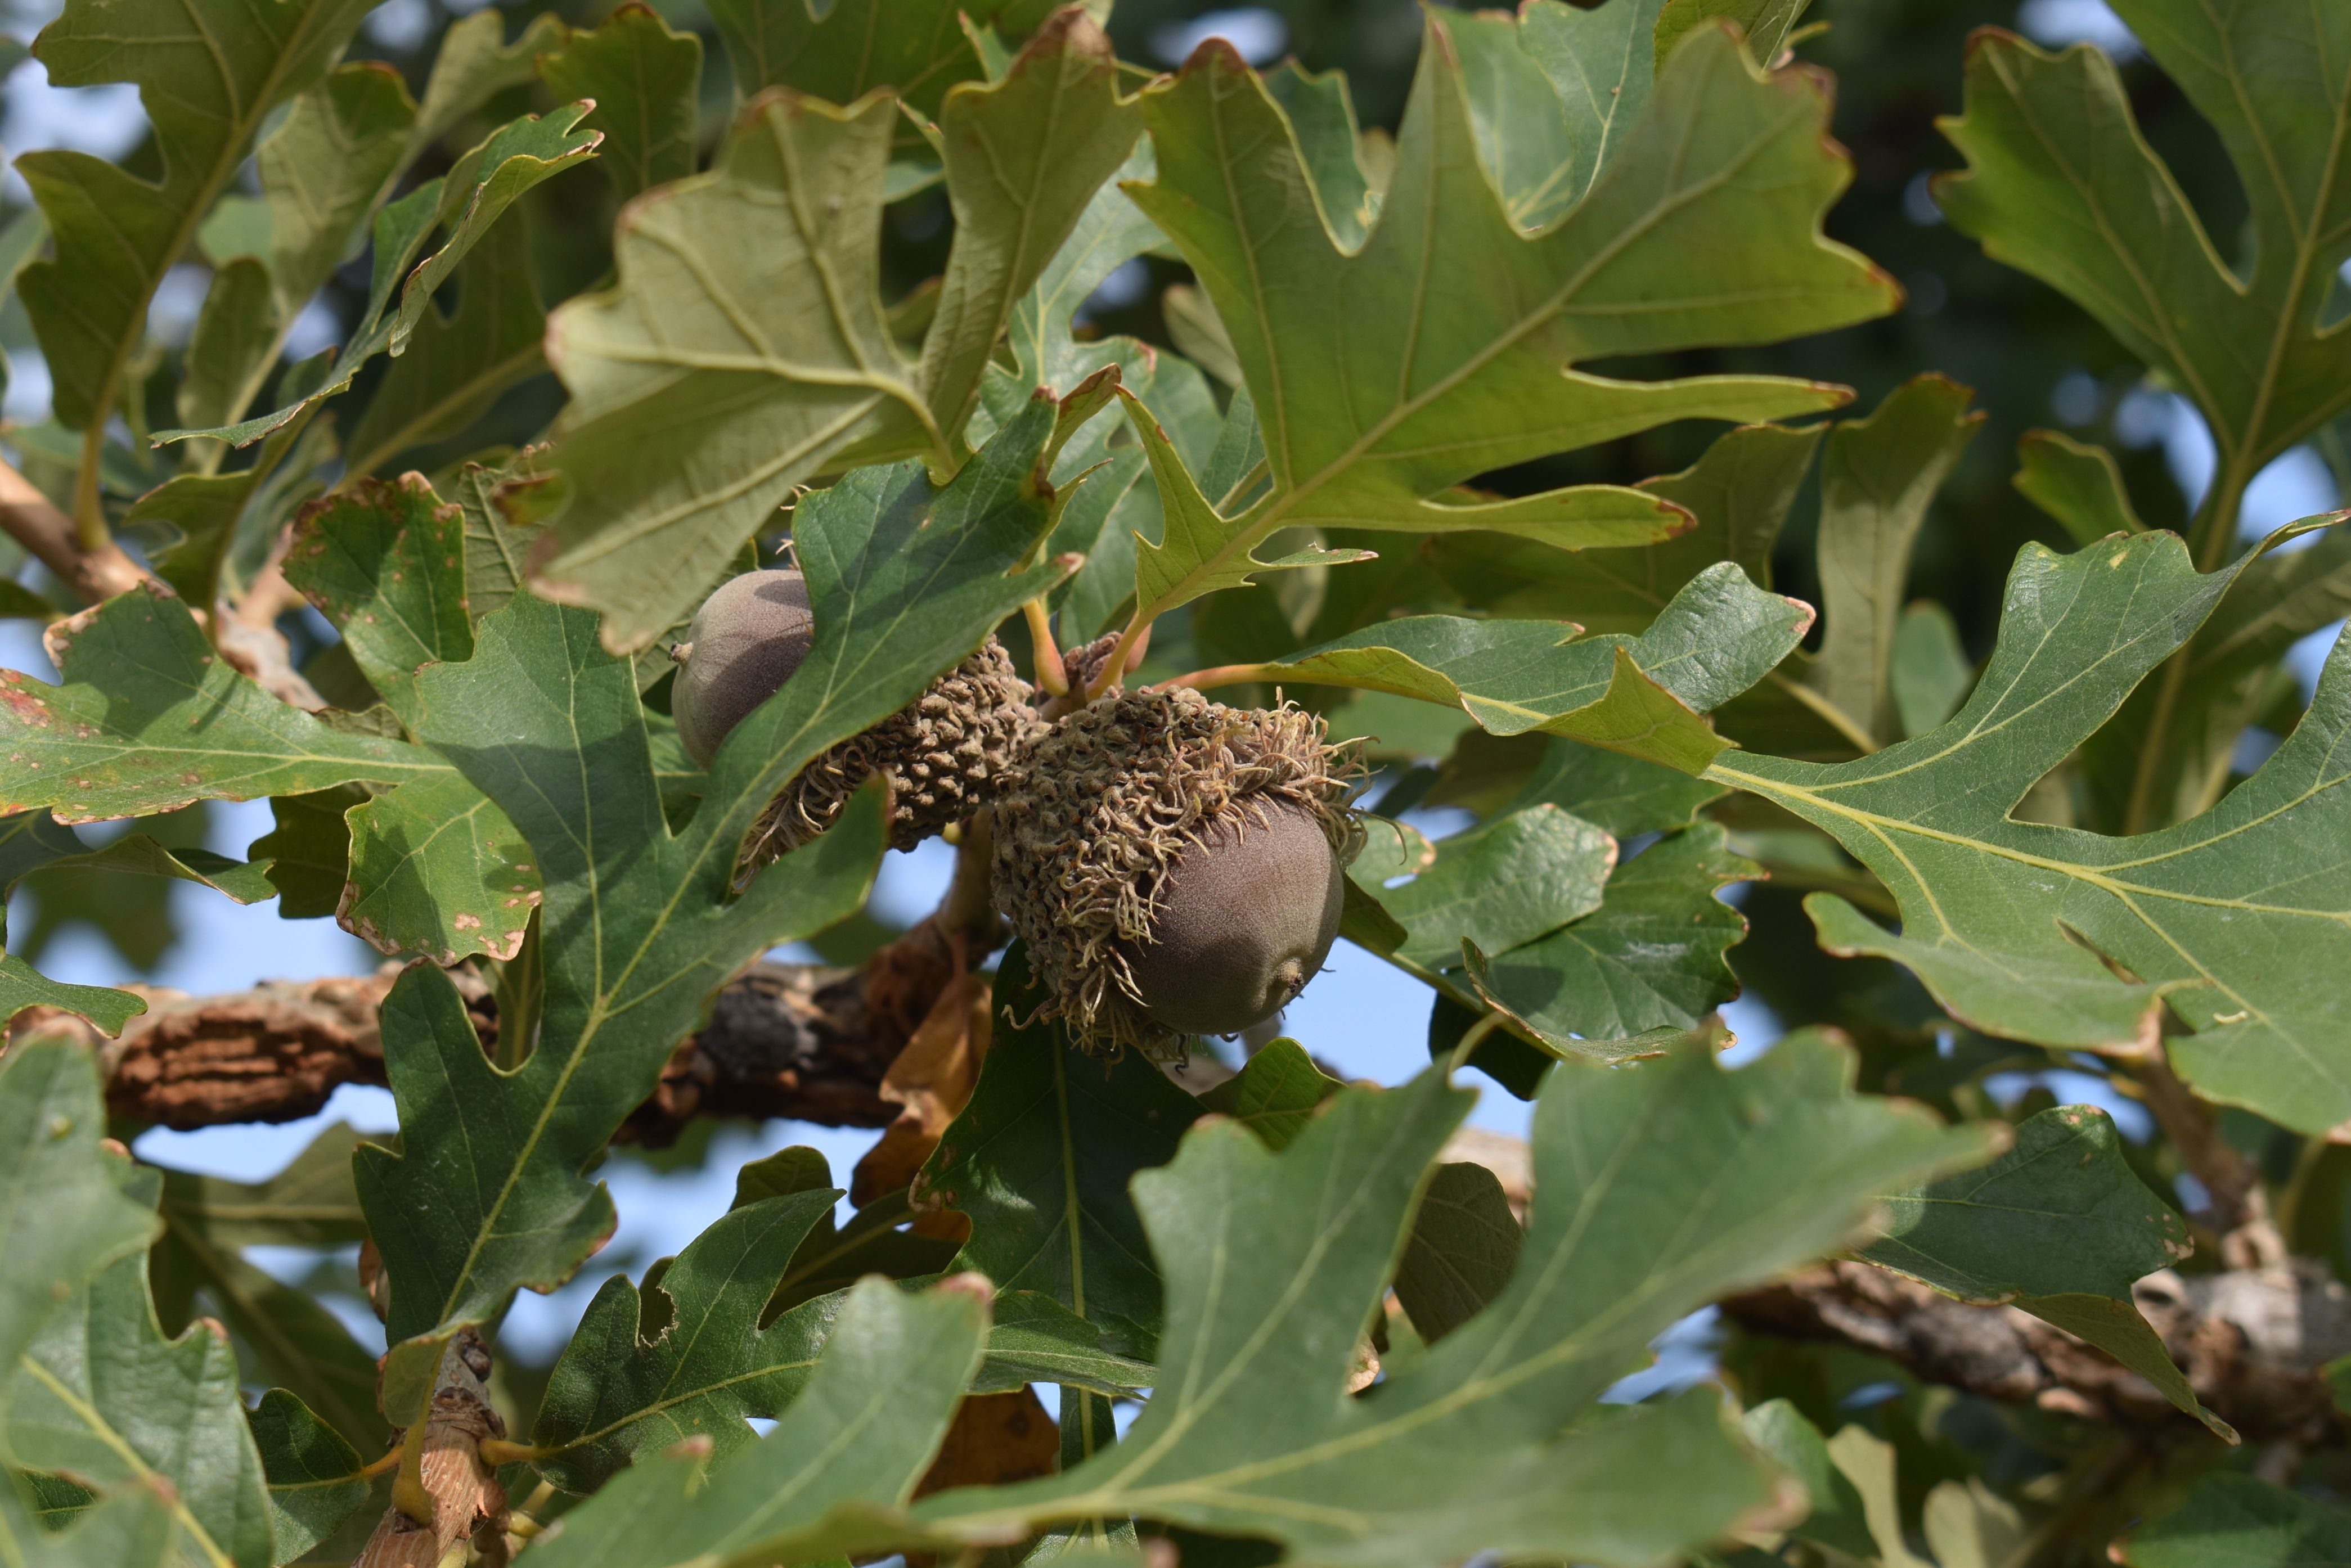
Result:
1095,818
943,753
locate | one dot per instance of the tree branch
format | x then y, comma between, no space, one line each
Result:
2253,1343
807,1042
27,517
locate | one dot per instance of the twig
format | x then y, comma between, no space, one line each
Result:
248,637
1051,675
2238,1204
48,533
447,1491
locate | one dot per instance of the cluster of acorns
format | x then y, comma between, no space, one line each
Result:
1175,867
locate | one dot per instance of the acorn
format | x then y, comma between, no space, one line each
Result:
1175,865
941,752
748,638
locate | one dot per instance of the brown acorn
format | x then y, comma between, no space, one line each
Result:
941,752
1175,867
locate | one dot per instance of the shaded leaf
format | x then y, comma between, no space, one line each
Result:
1739,493
865,1428
1878,477
1650,958
1040,1160
466,203
456,365
1930,673
640,1375
2061,1215
646,81
2077,482
2240,1521
1464,1245
1838,1518
1036,1339
312,1470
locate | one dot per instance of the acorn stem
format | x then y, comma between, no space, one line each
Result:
1050,673
1215,675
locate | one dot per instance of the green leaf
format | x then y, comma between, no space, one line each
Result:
132,1530
384,562
1036,1339
2061,183
456,365
63,1216
743,346
1024,157
1041,1159
501,503
1650,958
150,719
1642,695
645,82
2062,1216
487,1193
1620,794
1502,885
1446,380
475,65
2232,1521
863,1429
844,51
307,854
342,144
236,339
834,1258
2078,484
1876,480
1464,1246
1275,1094
1766,23
1553,94
102,1396
313,1474
1930,673
436,869
214,513
207,91
2151,766
1740,493
1657,1186
1838,1518
466,202
687,1355
295,1342
2013,926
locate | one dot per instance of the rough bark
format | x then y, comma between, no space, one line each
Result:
2253,1343
802,1040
